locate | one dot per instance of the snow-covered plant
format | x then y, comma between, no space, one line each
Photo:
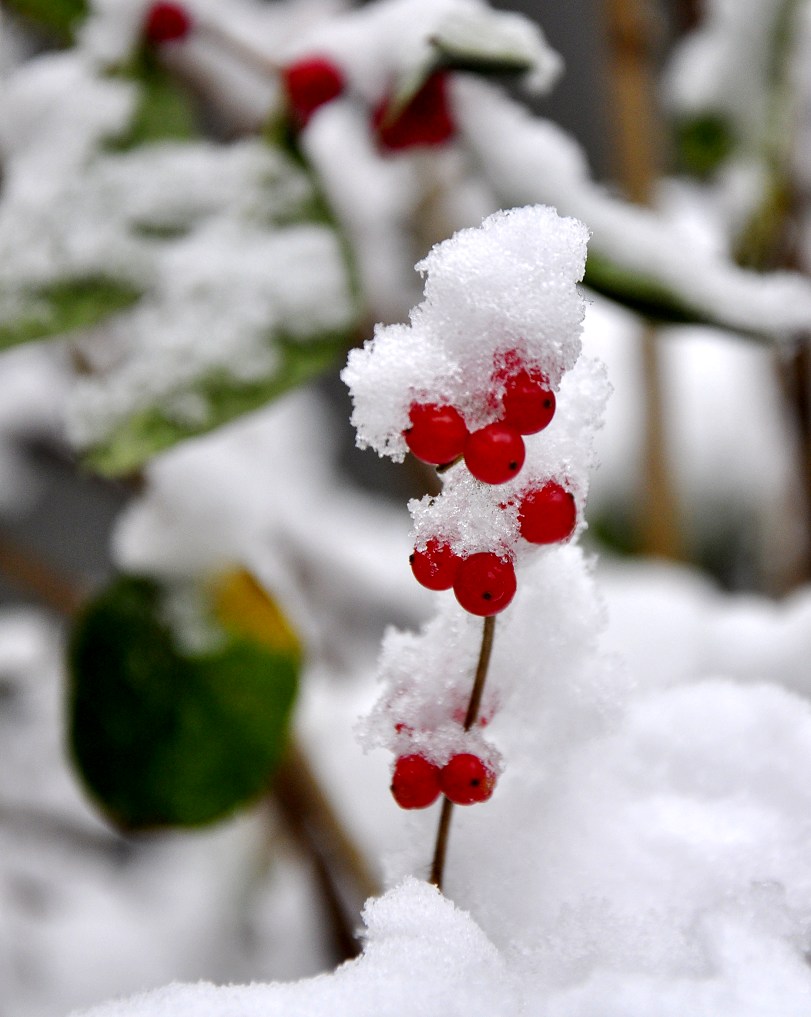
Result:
210,201
474,373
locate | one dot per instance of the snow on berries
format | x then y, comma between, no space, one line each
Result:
486,382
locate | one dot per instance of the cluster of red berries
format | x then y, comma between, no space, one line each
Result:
465,779
494,454
485,583
425,120
309,83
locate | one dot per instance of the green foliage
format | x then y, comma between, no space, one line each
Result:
66,305
703,143
166,737
135,440
58,18
165,110
643,294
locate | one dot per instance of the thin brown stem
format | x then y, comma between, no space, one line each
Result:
441,849
299,791
29,572
443,831
634,34
240,49
488,632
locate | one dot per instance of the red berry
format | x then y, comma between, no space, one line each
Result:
415,782
436,566
465,779
484,584
529,404
311,83
167,22
547,515
425,120
437,433
495,453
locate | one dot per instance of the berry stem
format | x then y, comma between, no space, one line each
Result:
443,831
239,48
444,467
488,632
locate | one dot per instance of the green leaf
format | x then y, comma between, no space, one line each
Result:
640,293
703,143
139,437
163,736
650,298
165,110
60,18
64,306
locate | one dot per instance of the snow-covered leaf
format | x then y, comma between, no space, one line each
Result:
177,717
489,42
164,109
140,436
59,307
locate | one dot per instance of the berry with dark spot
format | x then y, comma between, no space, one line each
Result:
495,453
529,404
485,584
465,779
415,782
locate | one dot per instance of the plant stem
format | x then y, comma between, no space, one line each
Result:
438,865
261,62
443,831
488,632
36,576
634,33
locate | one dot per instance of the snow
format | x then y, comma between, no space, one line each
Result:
510,285
706,69
383,43
531,160
213,504
646,849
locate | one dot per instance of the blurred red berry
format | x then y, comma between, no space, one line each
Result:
494,454
166,22
437,433
466,780
529,404
435,567
484,584
309,84
547,515
415,782
425,121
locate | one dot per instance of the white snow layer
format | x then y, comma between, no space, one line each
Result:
511,285
727,65
645,852
531,160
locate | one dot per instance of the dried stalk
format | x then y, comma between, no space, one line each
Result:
633,33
